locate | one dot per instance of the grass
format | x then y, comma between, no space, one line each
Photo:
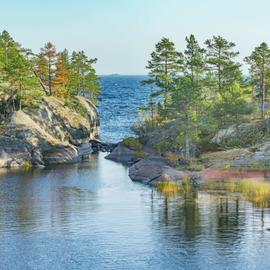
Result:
27,165
196,167
140,154
76,106
224,155
257,192
170,188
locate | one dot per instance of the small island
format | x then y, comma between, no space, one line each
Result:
47,105
204,118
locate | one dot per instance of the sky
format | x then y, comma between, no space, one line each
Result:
123,33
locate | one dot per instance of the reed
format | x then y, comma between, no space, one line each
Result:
169,187
257,192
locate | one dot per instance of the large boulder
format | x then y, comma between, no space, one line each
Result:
123,154
13,152
67,154
155,169
162,139
52,133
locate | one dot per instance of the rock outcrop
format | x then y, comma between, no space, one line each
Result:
243,135
52,133
245,146
155,169
123,154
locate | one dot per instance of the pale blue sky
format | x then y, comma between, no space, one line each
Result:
122,33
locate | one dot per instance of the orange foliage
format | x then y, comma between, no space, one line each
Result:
61,79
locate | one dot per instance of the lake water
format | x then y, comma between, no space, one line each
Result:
120,100
92,216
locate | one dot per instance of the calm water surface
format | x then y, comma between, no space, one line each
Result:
92,216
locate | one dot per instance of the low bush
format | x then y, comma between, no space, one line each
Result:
132,143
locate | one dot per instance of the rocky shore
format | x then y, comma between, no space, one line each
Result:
151,168
53,133
236,151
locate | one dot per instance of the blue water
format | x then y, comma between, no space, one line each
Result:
92,216
120,101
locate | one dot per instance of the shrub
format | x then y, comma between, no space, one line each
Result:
143,139
162,146
27,165
140,154
76,106
132,143
172,157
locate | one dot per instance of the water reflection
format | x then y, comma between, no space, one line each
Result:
91,216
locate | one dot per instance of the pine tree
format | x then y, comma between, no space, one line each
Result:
17,70
224,75
84,80
221,63
49,52
194,57
61,79
185,97
164,65
259,62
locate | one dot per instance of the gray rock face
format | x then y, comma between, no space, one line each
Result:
155,169
248,144
53,133
243,135
13,152
123,155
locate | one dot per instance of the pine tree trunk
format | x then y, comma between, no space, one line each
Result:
187,142
262,96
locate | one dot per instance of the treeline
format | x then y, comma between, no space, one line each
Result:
25,76
204,88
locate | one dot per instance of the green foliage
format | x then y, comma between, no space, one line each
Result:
83,78
143,139
164,65
259,63
162,146
27,165
140,154
25,77
76,106
220,60
206,92
132,143
195,167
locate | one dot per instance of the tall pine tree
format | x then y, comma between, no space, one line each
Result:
163,67
259,62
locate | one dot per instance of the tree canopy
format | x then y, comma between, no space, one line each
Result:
26,76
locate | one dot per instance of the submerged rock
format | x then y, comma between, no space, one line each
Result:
99,146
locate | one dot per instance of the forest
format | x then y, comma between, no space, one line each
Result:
25,76
205,89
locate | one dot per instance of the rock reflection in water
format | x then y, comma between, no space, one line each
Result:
92,216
